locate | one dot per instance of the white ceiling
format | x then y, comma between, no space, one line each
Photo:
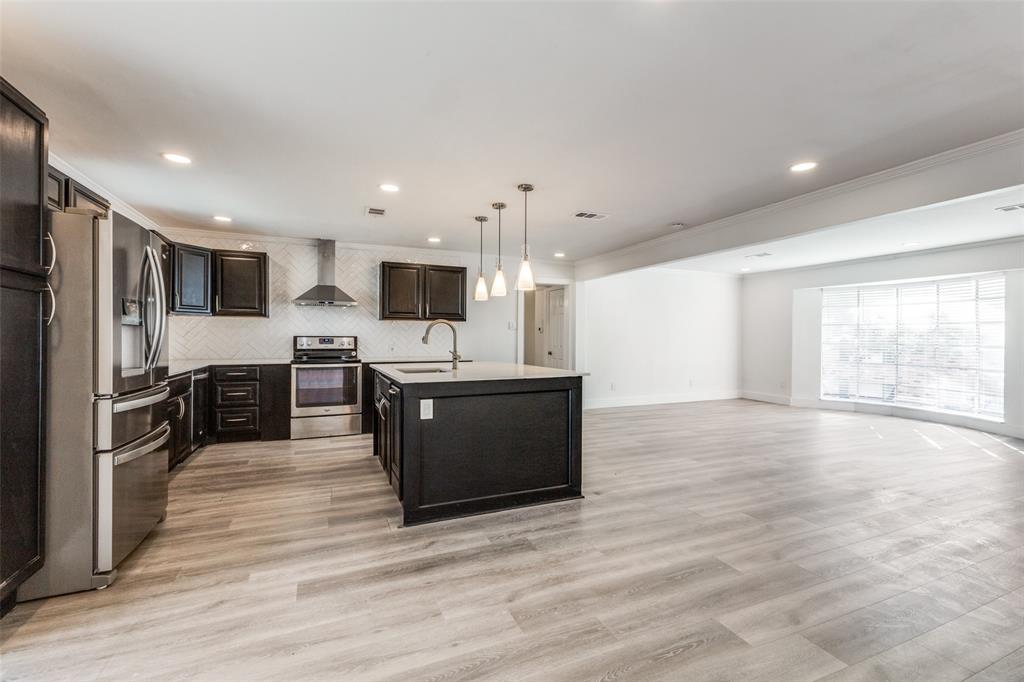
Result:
962,221
654,113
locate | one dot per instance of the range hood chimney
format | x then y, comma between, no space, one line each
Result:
325,293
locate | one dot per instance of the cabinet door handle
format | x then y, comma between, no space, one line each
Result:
53,304
53,254
181,408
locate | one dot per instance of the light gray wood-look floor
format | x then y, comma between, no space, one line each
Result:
727,540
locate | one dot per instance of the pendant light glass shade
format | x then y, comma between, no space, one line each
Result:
498,287
481,288
524,282
480,294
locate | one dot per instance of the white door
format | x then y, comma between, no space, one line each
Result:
555,328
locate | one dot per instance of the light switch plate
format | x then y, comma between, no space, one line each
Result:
426,409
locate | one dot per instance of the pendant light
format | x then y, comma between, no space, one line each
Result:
498,285
524,282
481,282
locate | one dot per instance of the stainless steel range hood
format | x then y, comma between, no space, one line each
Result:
325,293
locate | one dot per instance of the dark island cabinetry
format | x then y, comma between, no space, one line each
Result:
469,443
411,291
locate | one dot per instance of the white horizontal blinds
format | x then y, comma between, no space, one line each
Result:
932,345
839,343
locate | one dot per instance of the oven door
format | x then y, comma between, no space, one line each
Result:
320,389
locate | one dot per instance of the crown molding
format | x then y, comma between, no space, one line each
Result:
1004,241
185,232
1010,139
116,202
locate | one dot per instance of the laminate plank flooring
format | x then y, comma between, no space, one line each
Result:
726,540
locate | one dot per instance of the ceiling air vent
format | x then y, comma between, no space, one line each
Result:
587,215
375,211
1011,207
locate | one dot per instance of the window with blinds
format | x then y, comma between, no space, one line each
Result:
932,345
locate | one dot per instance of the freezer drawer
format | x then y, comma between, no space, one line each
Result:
131,495
125,418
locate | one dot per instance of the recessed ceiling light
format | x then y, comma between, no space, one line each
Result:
177,158
389,188
744,269
222,219
911,243
803,166
559,254
434,240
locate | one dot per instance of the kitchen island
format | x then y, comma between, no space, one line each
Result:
483,437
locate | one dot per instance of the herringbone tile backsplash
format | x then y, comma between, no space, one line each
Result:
484,336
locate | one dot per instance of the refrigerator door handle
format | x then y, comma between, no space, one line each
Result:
53,253
161,306
148,335
53,304
126,455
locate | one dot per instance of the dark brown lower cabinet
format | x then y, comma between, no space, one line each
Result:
24,302
179,417
275,402
200,407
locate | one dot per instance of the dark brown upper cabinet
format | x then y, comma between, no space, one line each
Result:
23,140
411,291
401,291
56,189
240,283
79,196
191,289
444,292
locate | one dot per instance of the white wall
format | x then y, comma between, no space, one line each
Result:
658,335
781,323
488,334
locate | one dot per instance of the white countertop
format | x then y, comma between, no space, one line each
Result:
182,366
384,359
473,371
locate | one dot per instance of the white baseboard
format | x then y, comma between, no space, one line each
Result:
777,398
658,399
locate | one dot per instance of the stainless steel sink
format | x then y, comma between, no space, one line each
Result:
424,370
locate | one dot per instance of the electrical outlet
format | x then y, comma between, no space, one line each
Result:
426,409
611,387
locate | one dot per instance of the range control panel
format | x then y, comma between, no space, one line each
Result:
325,343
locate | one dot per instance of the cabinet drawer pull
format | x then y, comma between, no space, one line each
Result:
235,374
236,393
237,419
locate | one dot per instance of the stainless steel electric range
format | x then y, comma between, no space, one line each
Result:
326,387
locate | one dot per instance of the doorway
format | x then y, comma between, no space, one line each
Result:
546,327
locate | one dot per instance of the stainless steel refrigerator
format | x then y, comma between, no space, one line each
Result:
107,432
